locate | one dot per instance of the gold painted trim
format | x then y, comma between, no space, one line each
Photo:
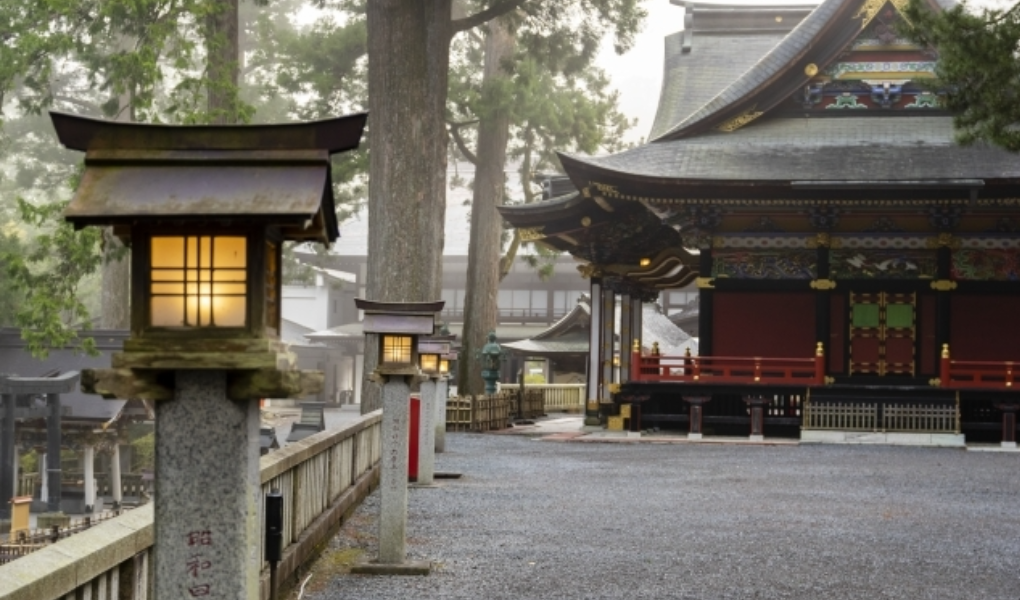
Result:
705,283
603,204
740,120
588,270
822,240
944,239
605,188
943,285
870,9
823,284
614,388
531,234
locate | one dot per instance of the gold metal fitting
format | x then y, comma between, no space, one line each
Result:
636,346
945,350
820,349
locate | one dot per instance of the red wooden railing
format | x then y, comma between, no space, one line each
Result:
975,373
727,369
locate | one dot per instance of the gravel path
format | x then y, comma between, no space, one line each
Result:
537,519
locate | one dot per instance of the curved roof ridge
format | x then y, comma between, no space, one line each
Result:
797,41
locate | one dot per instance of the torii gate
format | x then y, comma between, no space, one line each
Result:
11,388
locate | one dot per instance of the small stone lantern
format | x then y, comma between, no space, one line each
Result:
205,210
398,327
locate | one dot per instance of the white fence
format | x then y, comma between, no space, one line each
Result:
320,477
559,397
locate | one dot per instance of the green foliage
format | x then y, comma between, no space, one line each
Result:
11,297
144,452
30,462
977,67
49,273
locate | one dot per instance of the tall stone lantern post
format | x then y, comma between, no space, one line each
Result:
398,326
205,211
430,356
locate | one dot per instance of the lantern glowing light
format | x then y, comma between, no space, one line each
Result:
396,349
198,281
429,363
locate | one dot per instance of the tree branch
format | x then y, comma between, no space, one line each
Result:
496,10
92,108
461,144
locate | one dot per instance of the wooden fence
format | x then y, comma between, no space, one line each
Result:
132,485
556,397
321,478
496,411
906,418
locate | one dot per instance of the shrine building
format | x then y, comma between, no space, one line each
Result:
858,271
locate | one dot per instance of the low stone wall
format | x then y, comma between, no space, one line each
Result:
322,478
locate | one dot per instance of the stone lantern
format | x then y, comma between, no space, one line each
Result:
491,356
431,351
205,211
398,325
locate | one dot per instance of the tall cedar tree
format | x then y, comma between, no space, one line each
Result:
539,79
977,69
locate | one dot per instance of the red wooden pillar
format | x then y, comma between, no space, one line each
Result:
412,450
635,361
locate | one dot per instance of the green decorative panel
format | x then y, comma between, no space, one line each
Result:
866,263
865,315
899,315
986,265
769,264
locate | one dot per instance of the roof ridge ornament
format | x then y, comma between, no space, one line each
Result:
870,9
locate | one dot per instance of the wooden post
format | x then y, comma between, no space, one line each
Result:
820,364
757,404
944,367
1009,410
694,432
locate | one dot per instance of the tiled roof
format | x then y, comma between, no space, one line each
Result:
690,79
851,148
777,59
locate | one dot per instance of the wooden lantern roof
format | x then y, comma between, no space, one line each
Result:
273,174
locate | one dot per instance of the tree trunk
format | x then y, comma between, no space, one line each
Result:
408,56
115,312
115,295
486,224
222,45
